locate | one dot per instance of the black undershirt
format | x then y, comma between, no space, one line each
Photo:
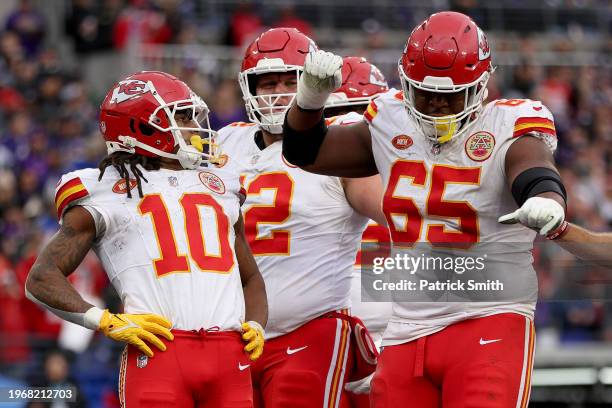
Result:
259,140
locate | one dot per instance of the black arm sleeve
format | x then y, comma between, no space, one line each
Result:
534,181
301,148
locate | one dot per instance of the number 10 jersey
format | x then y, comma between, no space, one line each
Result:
171,252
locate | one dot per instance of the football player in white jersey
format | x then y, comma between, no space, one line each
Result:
451,166
362,82
304,231
174,249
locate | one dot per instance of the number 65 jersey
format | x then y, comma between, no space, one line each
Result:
451,195
171,252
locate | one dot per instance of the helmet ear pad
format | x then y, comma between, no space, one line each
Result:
158,137
144,131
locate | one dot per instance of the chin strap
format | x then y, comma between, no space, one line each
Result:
273,129
190,158
273,123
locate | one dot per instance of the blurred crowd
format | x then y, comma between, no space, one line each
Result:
48,126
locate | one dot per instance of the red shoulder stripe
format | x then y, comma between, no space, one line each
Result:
371,111
534,124
70,191
72,197
523,120
546,130
69,184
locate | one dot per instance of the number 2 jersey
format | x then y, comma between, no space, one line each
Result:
454,193
171,252
302,231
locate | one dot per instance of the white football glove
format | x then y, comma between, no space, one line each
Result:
541,214
322,75
360,387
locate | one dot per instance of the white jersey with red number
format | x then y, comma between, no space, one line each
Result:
301,229
454,194
171,252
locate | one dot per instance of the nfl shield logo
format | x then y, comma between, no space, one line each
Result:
173,181
141,361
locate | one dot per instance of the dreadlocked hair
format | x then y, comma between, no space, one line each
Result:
119,160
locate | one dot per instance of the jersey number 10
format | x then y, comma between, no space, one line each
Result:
170,260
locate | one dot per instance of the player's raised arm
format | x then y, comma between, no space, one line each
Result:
256,302
344,151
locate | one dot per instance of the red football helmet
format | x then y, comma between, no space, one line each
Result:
361,82
138,116
446,53
276,50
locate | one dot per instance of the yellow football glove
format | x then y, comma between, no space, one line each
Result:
253,335
135,329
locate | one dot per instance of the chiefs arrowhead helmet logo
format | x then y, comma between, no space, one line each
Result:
129,89
484,51
376,77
